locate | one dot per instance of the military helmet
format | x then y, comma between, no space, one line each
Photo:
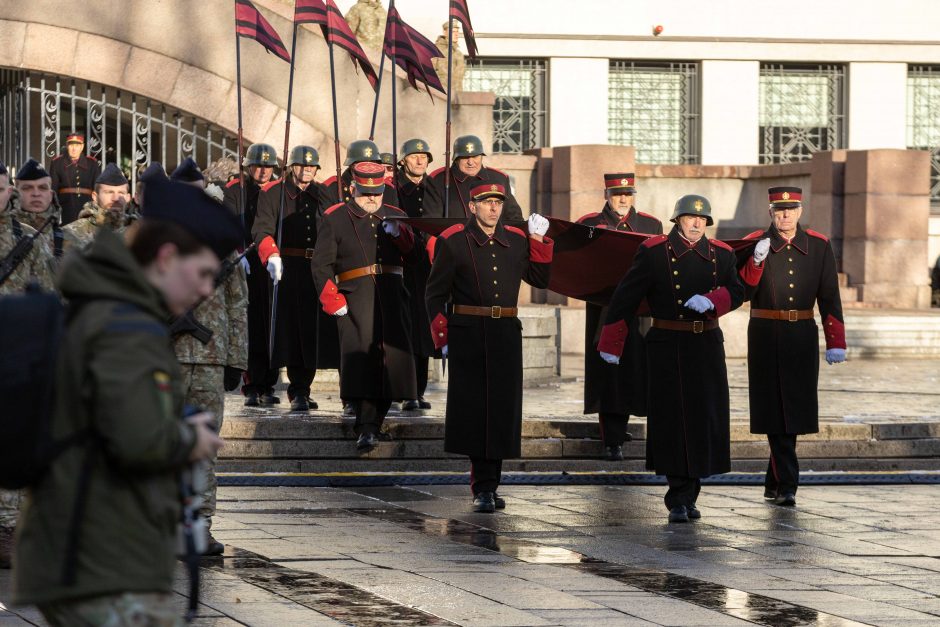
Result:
261,154
414,147
693,205
468,146
304,155
387,158
362,150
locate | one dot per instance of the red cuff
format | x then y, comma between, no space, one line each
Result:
541,252
439,331
432,243
613,337
751,272
266,248
834,331
405,240
722,301
330,298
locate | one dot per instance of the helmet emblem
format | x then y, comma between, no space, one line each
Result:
469,147
367,152
419,146
308,157
265,156
698,205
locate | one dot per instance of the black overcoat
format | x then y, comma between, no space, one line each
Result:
484,395
783,356
461,186
67,174
688,428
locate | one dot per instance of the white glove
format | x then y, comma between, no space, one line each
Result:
835,355
761,250
538,225
275,267
699,303
245,265
611,359
392,227
444,350
342,311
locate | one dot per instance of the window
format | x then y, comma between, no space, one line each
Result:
655,108
802,111
519,111
923,120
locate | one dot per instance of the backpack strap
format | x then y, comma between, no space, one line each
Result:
58,239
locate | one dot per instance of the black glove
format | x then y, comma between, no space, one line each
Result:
232,378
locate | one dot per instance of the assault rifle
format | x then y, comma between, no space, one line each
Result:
20,251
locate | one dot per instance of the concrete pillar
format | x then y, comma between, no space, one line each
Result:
887,206
578,177
730,98
825,211
877,112
577,101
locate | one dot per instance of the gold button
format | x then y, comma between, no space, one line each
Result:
673,259
791,286
788,247
681,316
791,299
440,335
497,296
676,272
494,282
491,242
679,301
494,267
677,286
791,271
790,259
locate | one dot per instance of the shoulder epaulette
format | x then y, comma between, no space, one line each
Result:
329,181
588,216
753,235
646,215
817,234
232,183
57,157
497,171
92,157
721,244
451,230
655,240
398,209
437,171
270,184
516,230
330,210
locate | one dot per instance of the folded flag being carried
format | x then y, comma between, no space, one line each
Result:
335,31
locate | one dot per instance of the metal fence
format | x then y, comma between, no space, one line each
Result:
802,111
38,110
519,115
655,107
923,120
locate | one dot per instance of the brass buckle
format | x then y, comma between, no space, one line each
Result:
698,326
375,269
496,311
792,315
308,253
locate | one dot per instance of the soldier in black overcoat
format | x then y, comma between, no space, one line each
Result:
359,151
478,269
73,177
689,281
615,392
792,270
357,268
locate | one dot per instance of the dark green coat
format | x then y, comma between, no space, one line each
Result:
117,372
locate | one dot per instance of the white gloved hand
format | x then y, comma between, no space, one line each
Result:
538,225
761,250
392,227
835,355
342,311
444,350
611,359
699,303
275,267
245,265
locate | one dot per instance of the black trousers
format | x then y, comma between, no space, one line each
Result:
261,377
370,414
421,374
300,380
485,474
783,469
682,490
613,428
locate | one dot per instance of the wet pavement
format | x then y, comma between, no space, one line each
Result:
567,555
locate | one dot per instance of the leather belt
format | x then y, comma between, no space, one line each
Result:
787,315
489,312
692,326
375,268
306,253
76,190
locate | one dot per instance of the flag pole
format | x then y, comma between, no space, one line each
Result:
243,194
339,181
283,200
450,78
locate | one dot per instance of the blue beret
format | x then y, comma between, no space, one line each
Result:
187,172
32,170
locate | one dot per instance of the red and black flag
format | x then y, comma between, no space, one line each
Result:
335,31
310,12
399,45
460,12
426,50
250,23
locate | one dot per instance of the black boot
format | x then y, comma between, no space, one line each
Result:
251,399
366,443
614,453
679,514
299,403
268,398
484,502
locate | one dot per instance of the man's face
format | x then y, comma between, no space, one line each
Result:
304,174
35,196
75,150
185,279
785,219
260,174
369,203
416,164
620,201
5,190
389,172
470,166
110,197
487,211
692,227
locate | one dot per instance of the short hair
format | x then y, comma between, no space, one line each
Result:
150,235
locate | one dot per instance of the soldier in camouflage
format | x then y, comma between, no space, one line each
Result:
36,267
367,19
107,209
206,366
458,63
38,202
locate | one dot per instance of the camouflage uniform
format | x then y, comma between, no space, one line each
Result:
154,609
53,234
203,365
440,63
367,18
91,218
